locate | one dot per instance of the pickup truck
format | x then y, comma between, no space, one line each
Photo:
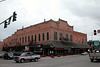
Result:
95,55
26,56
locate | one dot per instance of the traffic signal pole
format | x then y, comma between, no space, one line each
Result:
5,20
14,16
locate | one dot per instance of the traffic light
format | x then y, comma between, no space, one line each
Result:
14,16
94,32
9,20
5,24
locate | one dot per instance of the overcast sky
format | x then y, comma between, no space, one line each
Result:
84,15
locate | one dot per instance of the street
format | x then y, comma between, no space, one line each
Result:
69,61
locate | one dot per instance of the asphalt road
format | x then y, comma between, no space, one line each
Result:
72,61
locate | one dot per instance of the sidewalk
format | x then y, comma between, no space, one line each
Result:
0,59
48,57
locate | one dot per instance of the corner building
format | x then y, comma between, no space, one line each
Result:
40,33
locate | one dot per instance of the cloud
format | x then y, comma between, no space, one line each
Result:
83,15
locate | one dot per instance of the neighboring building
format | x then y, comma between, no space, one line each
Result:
42,32
1,45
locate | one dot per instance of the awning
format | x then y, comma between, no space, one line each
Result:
56,44
66,44
76,45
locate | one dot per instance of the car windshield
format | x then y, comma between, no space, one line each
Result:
17,53
1,53
10,54
31,53
23,54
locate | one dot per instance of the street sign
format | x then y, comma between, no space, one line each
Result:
98,31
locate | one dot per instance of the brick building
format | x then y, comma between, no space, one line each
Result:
1,43
42,32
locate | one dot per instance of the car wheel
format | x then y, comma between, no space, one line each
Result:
22,60
17,61
91,60
36,59
30,60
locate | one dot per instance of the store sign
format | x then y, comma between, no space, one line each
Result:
98,31
59,48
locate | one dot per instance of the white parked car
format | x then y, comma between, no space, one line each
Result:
26,56
84,53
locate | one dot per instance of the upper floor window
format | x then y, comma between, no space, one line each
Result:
43,36
28,38
71,38
47,35
60,36
32,38
82,40
9,43
85,41
35,38
16,41
20,40
39,37
66,36
25,39
55,35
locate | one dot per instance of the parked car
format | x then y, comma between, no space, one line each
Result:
84,53
2,54
94,55
17,53
8,55
26,56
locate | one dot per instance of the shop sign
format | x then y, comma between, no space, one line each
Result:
59,48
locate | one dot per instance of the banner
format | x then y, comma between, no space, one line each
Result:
98,31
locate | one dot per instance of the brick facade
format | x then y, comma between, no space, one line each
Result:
1,43
44,31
